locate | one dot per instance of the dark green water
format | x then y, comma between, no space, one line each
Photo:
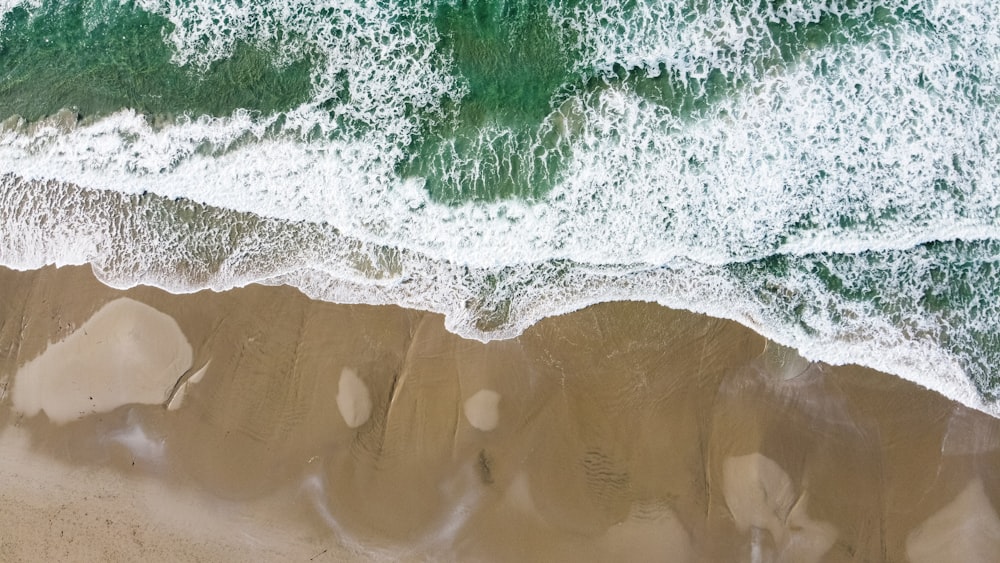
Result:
945,292
515,64
517,67
100,57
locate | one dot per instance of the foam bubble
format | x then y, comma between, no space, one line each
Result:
800,162
6,6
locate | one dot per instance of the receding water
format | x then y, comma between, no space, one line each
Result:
825,171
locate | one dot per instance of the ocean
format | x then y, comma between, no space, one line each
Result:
825,172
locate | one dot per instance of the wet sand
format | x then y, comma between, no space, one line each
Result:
257,424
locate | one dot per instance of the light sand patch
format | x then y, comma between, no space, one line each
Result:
353,398
761,496
482,410
649,534
967,529
128,352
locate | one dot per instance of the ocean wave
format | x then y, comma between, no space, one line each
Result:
926,313
855,146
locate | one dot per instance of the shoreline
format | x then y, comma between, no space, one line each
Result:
127,248
621,430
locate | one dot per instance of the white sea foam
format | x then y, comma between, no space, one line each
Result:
802,163
130,243
873,145
7,5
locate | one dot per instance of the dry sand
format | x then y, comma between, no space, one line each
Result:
257,424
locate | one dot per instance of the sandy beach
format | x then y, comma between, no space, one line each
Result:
257,424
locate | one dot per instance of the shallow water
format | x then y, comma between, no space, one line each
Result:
622,431
824,172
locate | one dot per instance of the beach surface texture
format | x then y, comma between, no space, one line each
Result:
260,424
500,280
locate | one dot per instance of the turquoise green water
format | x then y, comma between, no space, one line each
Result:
100,57
944,291
517,68
515,64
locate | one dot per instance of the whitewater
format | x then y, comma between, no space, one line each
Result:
824,172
